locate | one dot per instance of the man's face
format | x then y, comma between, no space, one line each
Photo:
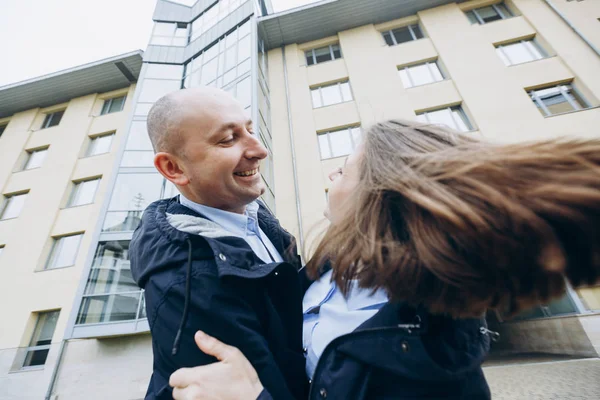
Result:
221,154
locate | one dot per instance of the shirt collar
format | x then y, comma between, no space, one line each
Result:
237,224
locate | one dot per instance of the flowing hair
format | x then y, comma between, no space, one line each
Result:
461,226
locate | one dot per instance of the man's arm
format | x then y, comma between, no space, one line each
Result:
219,308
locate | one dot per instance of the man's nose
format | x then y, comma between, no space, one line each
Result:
255,148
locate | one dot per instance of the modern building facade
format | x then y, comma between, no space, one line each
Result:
312,79
59,136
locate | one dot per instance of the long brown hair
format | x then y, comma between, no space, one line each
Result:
461,226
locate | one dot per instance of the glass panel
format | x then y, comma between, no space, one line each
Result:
405,79
316,98
346,92
402,35
244,29
554,100
417,31
420,74
435,71
163,29
535,49
36,357
331,95
244,48
244,67
84,192
135,191
64,251
179,41
100,145
231,39
341,145
460,119
108,308
1,250
309,57
229,77
504,10
442,117
35,159
116,104
153,90
230,58
388,38
138,159
13,206
209,71
121,221
164,71
323,54
488,14
44,328
143,307
472,18
500,53
111,271
422,118
356,135
518,53
244,92
337,52
562,306
138,138
324,146
161,40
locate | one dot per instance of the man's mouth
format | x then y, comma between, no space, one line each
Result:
250,172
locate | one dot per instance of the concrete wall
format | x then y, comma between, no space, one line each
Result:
114,368
25,287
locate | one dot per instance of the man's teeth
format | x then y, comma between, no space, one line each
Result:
247,173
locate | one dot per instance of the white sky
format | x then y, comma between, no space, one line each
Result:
38,37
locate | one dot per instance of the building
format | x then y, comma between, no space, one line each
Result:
60,135
312,78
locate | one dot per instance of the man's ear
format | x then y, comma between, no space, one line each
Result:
170,167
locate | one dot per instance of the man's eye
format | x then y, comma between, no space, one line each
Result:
228,139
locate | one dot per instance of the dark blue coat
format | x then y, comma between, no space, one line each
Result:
233,296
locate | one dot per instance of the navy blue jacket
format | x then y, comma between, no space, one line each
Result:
232,295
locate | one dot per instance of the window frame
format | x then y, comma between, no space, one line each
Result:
53,251
328,136
407,68
331,53
534,43
31,348
339,86
480,20
30,154
91,144
108,103
410,30
6,201
538,101
49,118
77,188
461,111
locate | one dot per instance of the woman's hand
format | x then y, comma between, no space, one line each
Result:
232,377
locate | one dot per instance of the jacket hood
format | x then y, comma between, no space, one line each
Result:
431,347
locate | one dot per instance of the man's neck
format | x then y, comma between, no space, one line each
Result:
236,210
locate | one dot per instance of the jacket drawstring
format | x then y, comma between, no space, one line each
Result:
186,306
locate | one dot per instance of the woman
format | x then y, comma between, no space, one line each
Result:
445,227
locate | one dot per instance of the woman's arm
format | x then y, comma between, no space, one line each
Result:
232,377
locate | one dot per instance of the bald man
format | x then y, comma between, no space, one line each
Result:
214,258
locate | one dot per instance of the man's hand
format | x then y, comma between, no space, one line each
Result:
232,377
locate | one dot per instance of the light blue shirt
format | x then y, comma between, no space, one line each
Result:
241,225
328,315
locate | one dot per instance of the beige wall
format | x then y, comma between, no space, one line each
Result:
25,288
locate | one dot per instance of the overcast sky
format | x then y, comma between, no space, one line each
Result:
38,37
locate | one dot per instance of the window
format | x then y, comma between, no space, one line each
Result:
339,143
1,249
169,34
111,293
83,192
323,54
487,14
64,251
52,119
39,346
113,105
2,129
420,74
331,94
100,145
404,34
35,158
520,52
453,117
557,100
12,206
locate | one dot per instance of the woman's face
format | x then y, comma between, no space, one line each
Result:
343,184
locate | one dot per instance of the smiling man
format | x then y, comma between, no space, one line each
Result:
214,258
